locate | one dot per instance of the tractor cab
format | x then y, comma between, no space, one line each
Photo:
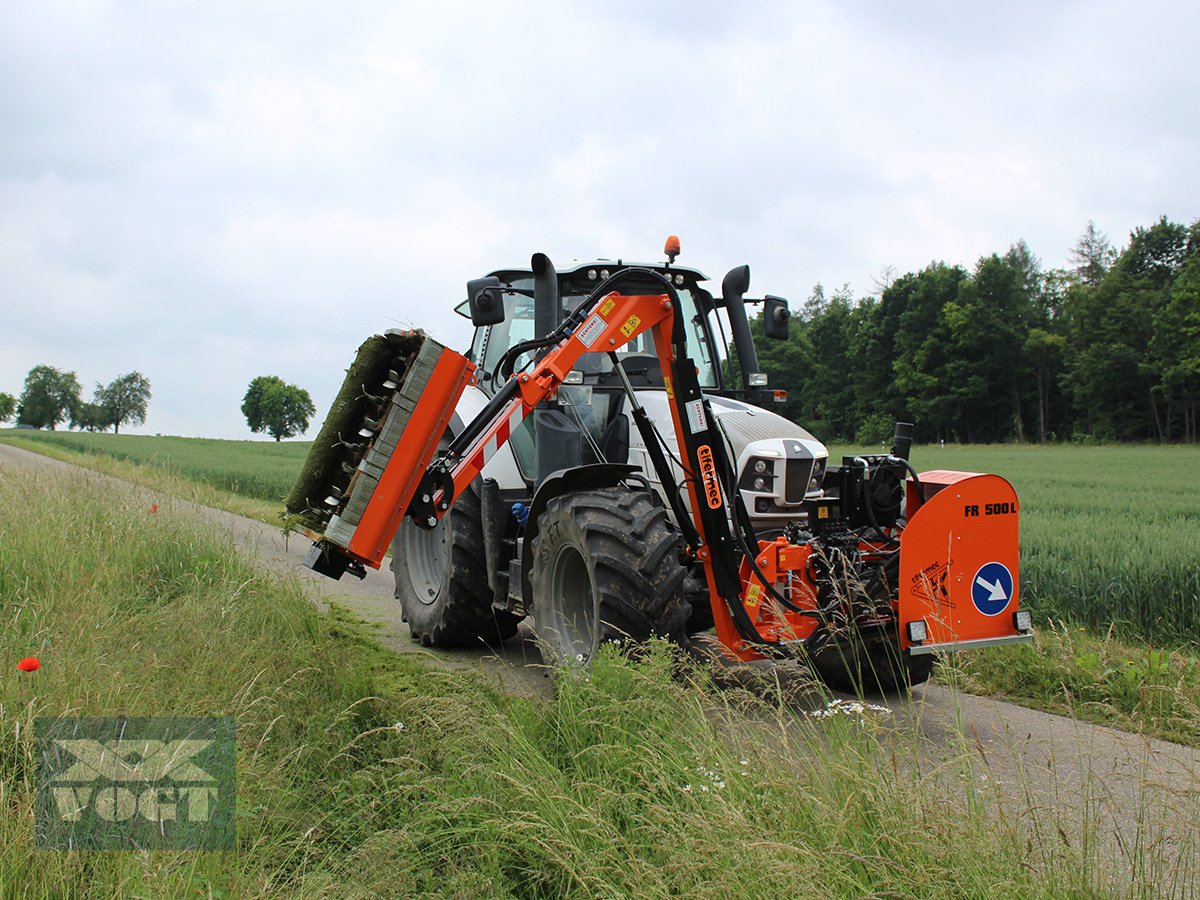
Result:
588,422
638,358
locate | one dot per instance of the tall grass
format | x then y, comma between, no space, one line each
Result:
364,773
1149,690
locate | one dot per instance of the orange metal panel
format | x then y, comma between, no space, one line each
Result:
959,558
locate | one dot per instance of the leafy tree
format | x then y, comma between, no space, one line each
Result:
987,325
91,417
1044,349
828,388
125,400
49,397
873,327
1115,370
1108,349
919,357
1176,344
1092,254
273,406
8,407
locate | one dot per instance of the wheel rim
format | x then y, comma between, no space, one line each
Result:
425,560
572,625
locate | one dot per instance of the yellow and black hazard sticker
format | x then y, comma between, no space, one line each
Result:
667,387
607,307
752,594
630,326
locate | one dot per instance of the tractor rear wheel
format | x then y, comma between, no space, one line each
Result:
605,569
441,580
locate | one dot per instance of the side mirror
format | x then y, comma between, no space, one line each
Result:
776,317
486,301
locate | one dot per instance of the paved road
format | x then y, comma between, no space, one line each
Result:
1128,789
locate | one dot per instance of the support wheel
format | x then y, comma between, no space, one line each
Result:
873,665
873,662
441,580
605,568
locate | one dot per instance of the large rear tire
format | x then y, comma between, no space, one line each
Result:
441,580
605,569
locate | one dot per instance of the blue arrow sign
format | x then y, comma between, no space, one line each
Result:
992,589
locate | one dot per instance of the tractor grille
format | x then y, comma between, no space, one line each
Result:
798,472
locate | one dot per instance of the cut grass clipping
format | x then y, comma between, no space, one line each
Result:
362,772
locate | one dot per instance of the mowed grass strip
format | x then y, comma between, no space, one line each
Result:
365,773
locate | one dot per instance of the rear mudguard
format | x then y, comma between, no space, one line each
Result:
959,563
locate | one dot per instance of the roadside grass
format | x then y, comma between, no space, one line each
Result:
364,773
1069,670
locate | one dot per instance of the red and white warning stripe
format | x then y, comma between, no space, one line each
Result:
487,444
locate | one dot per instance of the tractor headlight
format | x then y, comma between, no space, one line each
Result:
758,474
817,481
918,631
1023,620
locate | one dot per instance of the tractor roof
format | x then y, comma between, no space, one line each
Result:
582,265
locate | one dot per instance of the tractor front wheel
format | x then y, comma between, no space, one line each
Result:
441,580
605,569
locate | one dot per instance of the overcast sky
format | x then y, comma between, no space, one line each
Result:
206,192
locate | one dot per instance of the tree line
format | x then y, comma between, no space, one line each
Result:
51,397
1106,350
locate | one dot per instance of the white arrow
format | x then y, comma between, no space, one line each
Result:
997,592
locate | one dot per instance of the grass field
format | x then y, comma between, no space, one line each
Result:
263,470
364,773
